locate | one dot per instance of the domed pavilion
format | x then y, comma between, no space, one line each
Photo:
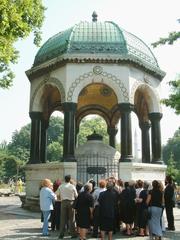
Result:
95,68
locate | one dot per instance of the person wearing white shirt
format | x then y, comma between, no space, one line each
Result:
68,194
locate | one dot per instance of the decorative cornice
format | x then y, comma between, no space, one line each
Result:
93,58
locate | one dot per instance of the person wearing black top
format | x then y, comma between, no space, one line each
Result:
143,211
107,203
169,202
128,206
84,208
155,203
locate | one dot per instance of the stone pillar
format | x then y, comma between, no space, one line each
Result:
76,138
156,137
35,137
126,133
145,142
112,131
44,126
69,109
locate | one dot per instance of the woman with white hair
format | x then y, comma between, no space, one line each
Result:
47,197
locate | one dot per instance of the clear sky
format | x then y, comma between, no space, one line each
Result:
148,20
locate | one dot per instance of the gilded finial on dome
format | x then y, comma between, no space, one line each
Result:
94,17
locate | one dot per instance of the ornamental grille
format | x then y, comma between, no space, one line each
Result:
96,166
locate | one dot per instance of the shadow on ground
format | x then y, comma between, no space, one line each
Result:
35,234
172,235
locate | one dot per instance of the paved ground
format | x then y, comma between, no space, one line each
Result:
17,223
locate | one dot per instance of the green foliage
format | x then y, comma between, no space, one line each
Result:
10,166
20,143
54,152
171,167
17,20
2,156
87,127
55,139
172,37
171,155
172,146
173,100
55,130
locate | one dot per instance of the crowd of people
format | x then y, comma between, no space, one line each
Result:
134,207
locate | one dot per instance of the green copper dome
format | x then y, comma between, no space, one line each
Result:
90,40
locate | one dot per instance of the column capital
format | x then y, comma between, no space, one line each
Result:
36,115
112,130
155,116
126,107
144,125
69,106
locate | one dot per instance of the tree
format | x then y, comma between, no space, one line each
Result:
17,20
55,130
171,168
54,152
10,166
3,154
172,37
173,100
88,126
172,147
20,143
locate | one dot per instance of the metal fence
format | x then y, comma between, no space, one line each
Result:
96,166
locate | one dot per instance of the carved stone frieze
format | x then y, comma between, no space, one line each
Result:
92,75
97,70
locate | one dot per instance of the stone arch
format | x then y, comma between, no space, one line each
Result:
153,96
97,110
35,103
100,77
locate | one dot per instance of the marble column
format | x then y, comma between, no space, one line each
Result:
35,137
112,131
145,141
69,109
126,132
155,118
